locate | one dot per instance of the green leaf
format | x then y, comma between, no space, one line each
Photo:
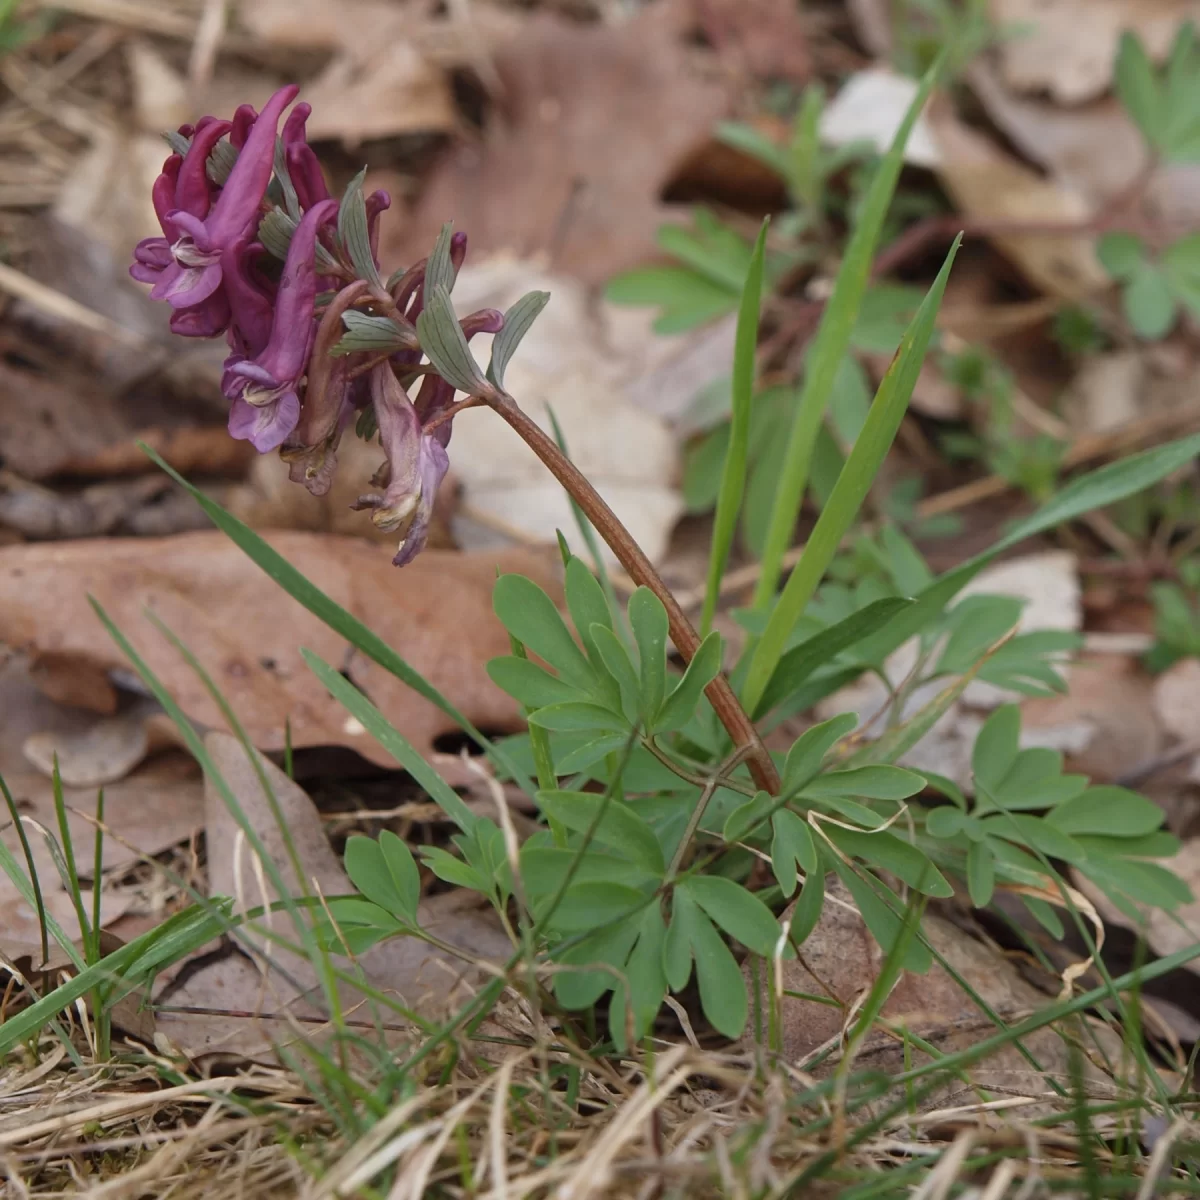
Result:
733,474
1181,262
353,232
376,334
677,950
581,989
722,988
976,624
1159,844
439,267
738,912
1036,833
584,906
647,980
360,925
1137,87
615,658
619,827
747,818
801,661
853,484
809,749
872,783
807,911
722,259
453,870
530,616
884,850
791,844
680,706
384,871
945,822
1143,882
590,753
1121,254
586,603
1149,304
580,715
882,916
688,299
649,621
996,747
445,345
527,683
1111,811
517,322
757,145
832,341
543,868
981,873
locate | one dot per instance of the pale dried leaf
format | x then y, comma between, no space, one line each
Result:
1067,47
871,107
988,185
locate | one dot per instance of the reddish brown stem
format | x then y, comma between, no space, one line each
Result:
640,569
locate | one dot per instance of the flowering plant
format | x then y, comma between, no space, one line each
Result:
648,876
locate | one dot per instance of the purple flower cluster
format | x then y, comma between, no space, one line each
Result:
294,377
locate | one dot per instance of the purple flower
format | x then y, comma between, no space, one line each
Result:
416,464
195,271
264,388
303,167
183,186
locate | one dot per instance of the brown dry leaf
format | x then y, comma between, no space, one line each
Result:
382,88
1177,700
988,185
589,126
580,361
420,976
1094,149
248,633
1105,724
102,754
1067,47
841,960
764,38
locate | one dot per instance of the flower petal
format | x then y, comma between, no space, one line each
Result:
183,287
265,426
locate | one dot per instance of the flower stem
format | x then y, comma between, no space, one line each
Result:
640,569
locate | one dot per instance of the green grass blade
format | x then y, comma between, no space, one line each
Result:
1095,490
391,740
853,484
733,474
832,341
337,618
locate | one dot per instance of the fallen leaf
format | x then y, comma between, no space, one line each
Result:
248,633
419,976
870,108
590,123
988,185
381,88
764,38
102,754
1094,149
840,961
1105,724
1177,700
1067,47
567,362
